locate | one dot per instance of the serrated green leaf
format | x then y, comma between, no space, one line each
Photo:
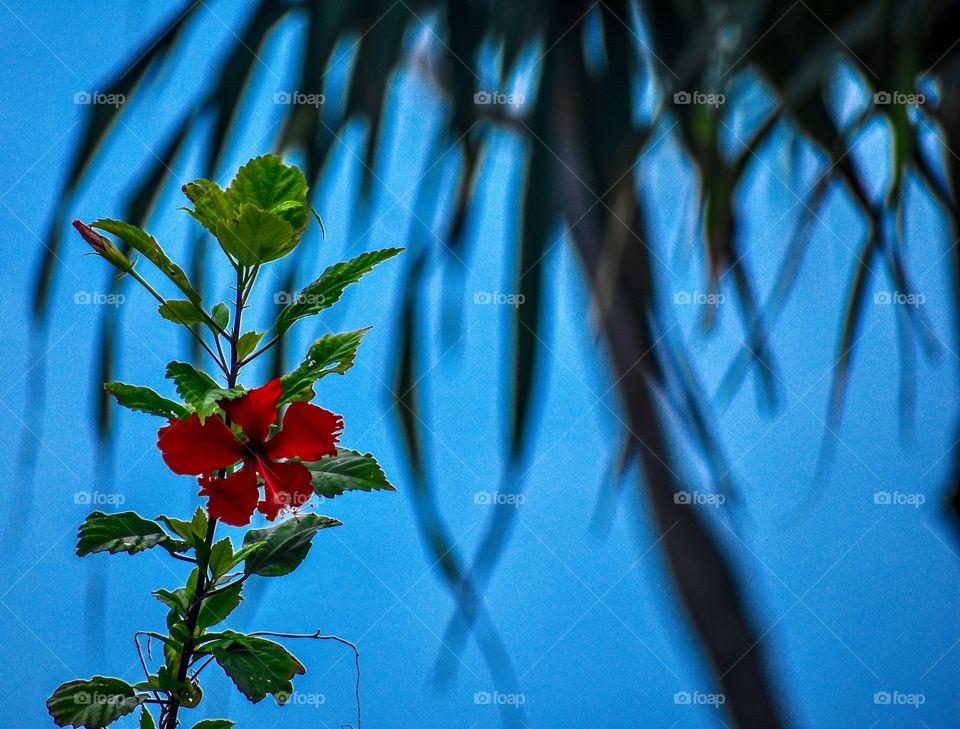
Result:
221,557
216,608
92,703
325,291
193,531
200,391
331,353
146,245
255,665
124,532
145,400
270,185
286,544
347,471
210,204
214,724
180,311
192,384
248,343
256,236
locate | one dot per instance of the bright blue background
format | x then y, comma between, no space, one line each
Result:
850,597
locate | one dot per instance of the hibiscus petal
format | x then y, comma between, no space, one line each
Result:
233,499
308,432
287,485
190,447
256,411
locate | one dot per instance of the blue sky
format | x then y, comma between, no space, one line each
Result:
852,597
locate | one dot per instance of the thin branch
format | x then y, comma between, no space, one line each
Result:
318,636
163,301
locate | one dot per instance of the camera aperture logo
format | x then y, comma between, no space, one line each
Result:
495,698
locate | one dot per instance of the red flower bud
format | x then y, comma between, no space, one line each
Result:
103,246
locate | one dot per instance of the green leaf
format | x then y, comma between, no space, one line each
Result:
173,599
192,384
257,666
198,389
286,544
221,556
210,204
325,291
256,236
181,312
124,532
146,719
214,724
93,704
270,185
145,400
248,343
146,244
221,315
216,608
193,531
331,353
347,471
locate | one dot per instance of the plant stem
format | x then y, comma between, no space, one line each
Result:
153,292
169,718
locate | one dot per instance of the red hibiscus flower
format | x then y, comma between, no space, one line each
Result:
308,432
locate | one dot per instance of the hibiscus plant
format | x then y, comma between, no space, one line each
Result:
246,457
